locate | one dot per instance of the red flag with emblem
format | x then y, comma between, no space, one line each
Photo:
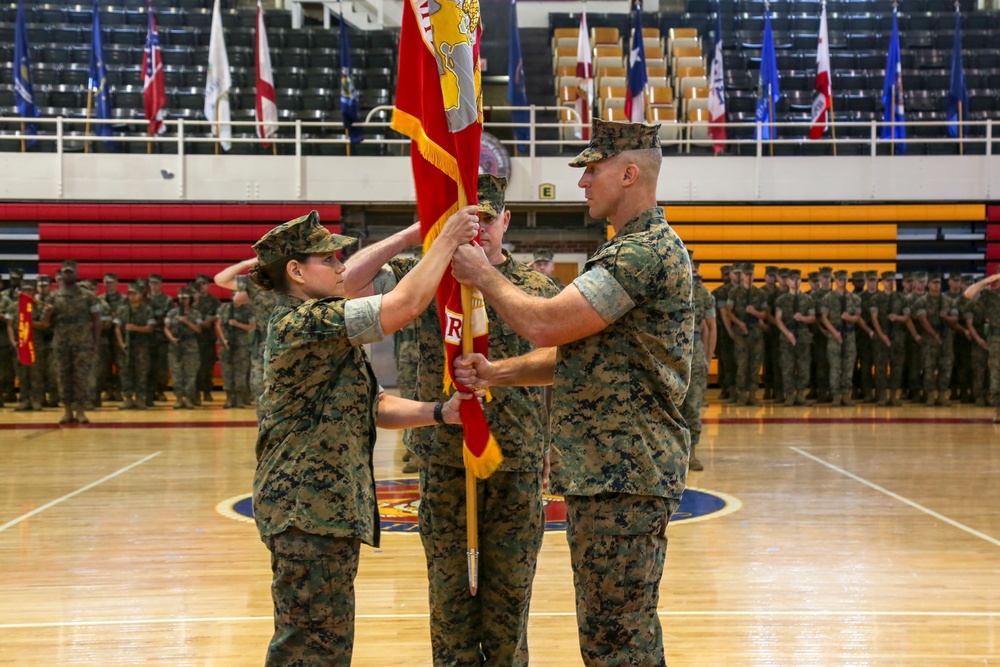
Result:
25,331
441,111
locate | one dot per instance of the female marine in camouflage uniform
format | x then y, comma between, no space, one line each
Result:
314,489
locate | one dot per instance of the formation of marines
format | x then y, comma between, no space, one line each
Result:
924,338
128,345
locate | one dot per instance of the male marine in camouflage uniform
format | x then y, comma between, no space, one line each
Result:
511,515
914,343
208,305
76,322
727,360
839,310
866,344
990,300
108,372
975,322
234,328
935,312
159,346
135,322
793,313
30,377
771,361
43,348
704,344
821,363
8,355
183,327
619,448
748,310
961,374
890,311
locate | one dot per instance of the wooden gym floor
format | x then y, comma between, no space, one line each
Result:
863,536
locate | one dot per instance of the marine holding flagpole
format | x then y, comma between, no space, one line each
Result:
619,448
314,487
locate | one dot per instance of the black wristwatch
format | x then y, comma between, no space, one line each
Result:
439,414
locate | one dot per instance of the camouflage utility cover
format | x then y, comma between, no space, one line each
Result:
491,191
302,235
609,138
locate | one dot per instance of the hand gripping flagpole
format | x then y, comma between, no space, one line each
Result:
471,501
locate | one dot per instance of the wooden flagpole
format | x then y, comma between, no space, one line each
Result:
24,146
471,500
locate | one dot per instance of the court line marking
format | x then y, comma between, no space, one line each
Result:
792,613
906,501
53,503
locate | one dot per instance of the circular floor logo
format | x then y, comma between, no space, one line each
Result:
398,500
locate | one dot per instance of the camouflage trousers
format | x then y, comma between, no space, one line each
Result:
773,378
617,545
795,362
749,354
107,374
75,361
938,362
134,370
31,381
727,362
207,356
235,364
962,373
313,594
184,366
159,364
691,407
980,369
820,361
896,359
866,361
840,359
8,367
490,628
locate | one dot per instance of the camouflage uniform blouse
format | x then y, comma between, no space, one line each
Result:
261,302
883,304
704,307
73,322
932,307
315,441
835,304
789,304
515,414
990,303
615,423
142,315
180,330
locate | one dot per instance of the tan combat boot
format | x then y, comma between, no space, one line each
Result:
894,398
835,401
882,396
847,400
790,399
752,397
931,397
